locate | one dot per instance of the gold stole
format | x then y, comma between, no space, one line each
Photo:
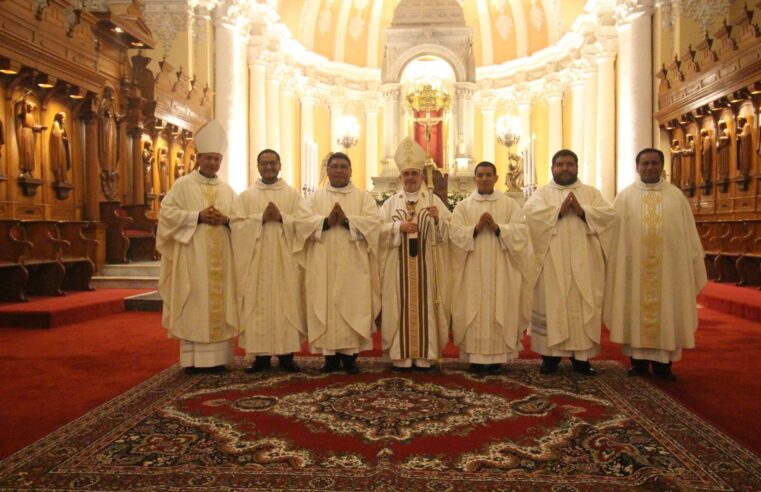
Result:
413,323
215,254
651,273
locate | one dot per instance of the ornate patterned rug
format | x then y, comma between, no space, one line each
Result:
385,431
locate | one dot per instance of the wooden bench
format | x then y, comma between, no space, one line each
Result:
43,258
79,254
13,274
130,233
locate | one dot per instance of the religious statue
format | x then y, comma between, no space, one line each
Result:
676,163
163,171
688,159
723,143
514,173
192,162
706,159
27,129
744,146
60,150
179,165
148,160
108,142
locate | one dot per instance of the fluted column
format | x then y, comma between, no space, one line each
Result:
336,112
555,110
257,109
286,133
635,93
578,99
488,136
524,115
464,122
391,94
590,170
307,100
606,117
272,94
371,141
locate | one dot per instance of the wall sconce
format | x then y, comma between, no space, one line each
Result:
6,67
43,81
76,93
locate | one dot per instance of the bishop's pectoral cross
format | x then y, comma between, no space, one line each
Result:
412,237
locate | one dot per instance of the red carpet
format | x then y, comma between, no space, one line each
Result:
744,302
74,307
50,377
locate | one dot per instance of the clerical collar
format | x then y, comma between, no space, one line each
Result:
272,186
575,184
203,179
489,197
346,189
412,197
651,186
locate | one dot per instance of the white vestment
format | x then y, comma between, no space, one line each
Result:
415,298
493,279
342,281
197,276
571,254
656,271
270,280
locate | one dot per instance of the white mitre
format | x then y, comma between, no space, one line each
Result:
410,155
211,138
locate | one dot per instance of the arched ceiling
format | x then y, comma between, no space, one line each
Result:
351,31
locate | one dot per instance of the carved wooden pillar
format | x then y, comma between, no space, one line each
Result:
138,173
89,115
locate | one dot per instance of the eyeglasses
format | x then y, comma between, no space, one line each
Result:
268,163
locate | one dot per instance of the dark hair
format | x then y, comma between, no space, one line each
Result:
338,155
565,152
267,151
485,164
647,150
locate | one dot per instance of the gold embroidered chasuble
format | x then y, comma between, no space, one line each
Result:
197,277
415,278
656,269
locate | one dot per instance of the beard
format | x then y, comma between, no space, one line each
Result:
565,180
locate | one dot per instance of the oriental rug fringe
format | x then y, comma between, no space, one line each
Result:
444,430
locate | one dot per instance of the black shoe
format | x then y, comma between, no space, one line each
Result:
639,367
422,369
477,368
549,364
332,364
401,369
214,370
663,371
190,370
495,369
286,364
349,363
583,367
261,363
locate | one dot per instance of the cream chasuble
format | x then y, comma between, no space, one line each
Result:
493,278
656,271
571,255
342,281
197,277
270,280
415,297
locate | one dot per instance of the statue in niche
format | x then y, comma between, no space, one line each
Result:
163,170
676,163
723,143
514,173
192,162
60,150
108,142
148,161
27,129
706,156
688,160
744,146
179,165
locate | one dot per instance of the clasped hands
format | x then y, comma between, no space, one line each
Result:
212,216
486,221
336,215
409,226
271,214
571,205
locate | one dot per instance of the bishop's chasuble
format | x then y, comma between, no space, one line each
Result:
494,279
656,271
270,297
197,276
342,281
415,297
571,254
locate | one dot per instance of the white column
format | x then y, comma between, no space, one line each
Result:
257,109
555,141
635,94
578,99
371,142
488,136
230,100
286,134
464,122
524,115
336,112
391,138
273,111
606,117
589,169
306,98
